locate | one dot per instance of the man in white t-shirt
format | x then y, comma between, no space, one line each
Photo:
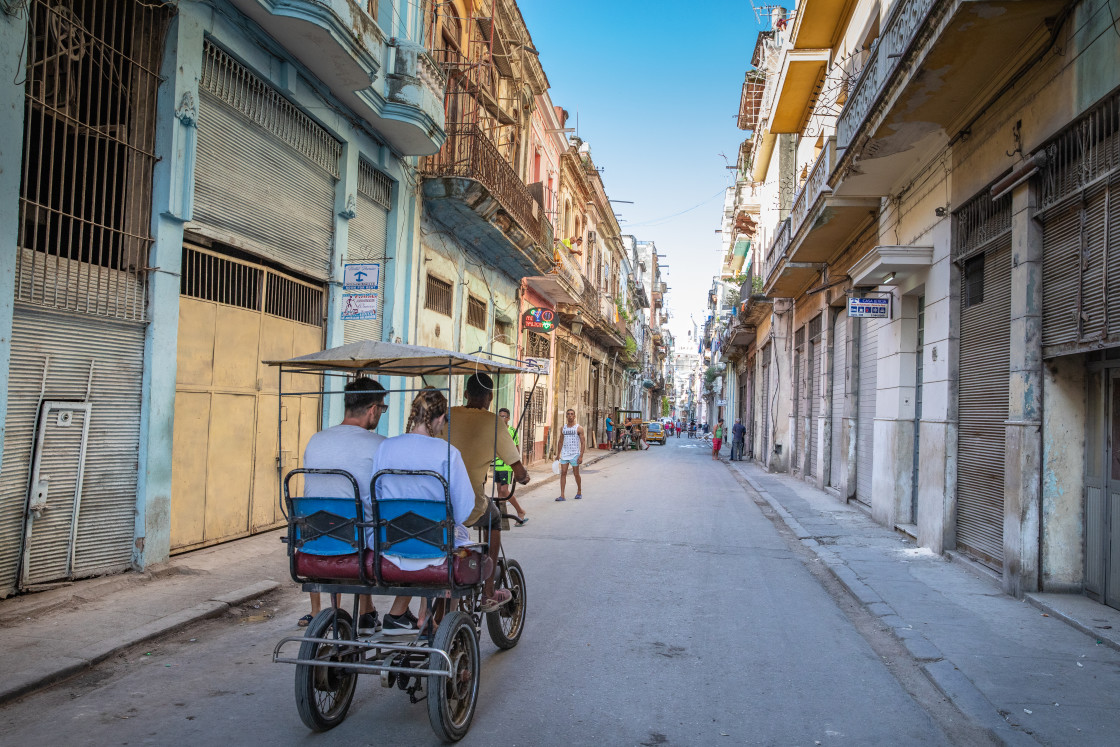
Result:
351,446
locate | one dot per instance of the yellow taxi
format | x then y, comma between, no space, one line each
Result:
655,432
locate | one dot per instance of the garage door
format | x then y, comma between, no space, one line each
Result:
234,313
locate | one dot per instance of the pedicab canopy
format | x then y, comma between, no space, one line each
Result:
394,359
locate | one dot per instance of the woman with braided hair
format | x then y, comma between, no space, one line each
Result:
422,447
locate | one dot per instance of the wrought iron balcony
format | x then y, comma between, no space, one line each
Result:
471,186
776,252
814,187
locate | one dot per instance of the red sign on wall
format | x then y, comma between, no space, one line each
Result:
540,320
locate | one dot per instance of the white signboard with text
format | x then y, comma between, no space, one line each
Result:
359,307
361,277
540,364
869,308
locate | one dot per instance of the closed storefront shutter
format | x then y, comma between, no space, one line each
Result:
985,352
265,176
367,242
1112,270
88,469
865,424
814,393
839,376
766,404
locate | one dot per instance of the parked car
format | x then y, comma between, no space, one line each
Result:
655,433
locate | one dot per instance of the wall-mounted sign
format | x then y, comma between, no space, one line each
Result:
869,308
543,366
361,277
359,307
541,320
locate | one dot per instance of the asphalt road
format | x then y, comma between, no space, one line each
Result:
664,608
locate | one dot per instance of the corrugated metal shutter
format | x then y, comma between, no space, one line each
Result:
865,422
985,353
114,349
1112,295
816,353
795,446
764,453
1093,265
839,376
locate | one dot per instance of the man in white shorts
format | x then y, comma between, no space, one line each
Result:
570,445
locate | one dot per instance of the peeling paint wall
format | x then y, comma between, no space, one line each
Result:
1063,474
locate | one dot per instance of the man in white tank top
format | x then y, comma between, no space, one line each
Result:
569,446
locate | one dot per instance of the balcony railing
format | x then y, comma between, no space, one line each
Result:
470,154
778,248
886,55
814,186
430,74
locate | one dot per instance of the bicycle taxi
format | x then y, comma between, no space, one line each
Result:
329,553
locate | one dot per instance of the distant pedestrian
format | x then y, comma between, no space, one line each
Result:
738,440
717,439
570,447
610,429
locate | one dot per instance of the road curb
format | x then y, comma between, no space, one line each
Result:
18,684
950,681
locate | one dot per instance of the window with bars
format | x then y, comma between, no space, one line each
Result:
537,345
476,312
503,331
437,296
89,141
210,276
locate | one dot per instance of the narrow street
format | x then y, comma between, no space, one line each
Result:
664,608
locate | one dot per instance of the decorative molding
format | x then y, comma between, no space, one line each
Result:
187,112
351,210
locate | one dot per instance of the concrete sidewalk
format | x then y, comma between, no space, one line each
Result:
52,635
1044,670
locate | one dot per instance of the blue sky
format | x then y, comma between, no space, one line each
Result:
657,94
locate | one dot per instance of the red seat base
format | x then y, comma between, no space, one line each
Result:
471,568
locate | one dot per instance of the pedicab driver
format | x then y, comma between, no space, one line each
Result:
475,431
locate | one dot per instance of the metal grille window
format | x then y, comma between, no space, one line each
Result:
799,337
980,221
374,184
89,139
437,296
537,345
476,312
974,281
210,276
237,86
293,299
1085,152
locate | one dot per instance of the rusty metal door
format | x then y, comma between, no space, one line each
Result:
232,315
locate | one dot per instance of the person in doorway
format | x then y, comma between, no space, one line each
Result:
738,440
717,439
351,446
503,475
570,445
480,436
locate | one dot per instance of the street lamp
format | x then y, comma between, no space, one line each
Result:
577,325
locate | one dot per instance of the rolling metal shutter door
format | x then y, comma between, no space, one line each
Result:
764,453
816,352
114,349
1061,242
985,353
865,422
250,184
839,374
367,244
1113,270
